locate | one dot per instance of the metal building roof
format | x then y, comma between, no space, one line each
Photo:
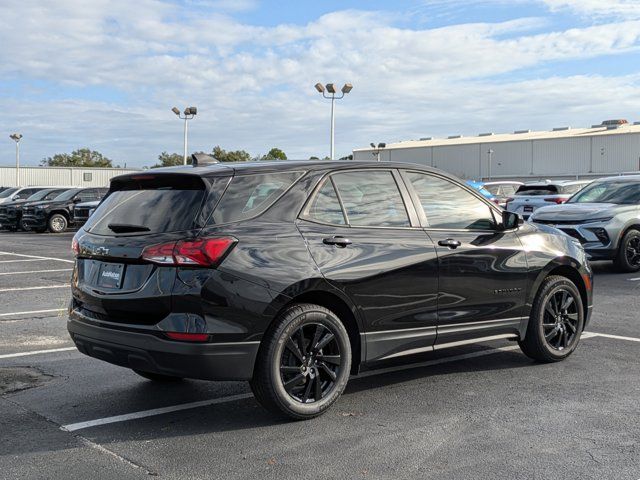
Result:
556,133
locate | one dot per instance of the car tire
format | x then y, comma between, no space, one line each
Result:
305,354
556,321
628,256
57,223
157,377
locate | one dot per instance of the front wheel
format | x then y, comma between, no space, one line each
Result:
556,321
304,362
628,256
57,223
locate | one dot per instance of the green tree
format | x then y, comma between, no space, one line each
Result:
275,154
83,157
222,155
170,160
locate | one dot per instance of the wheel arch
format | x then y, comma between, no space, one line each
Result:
62,212
342,307
634,225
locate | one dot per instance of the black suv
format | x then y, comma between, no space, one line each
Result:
57,215
11,213
294,275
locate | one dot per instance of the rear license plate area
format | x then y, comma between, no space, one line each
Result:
110,275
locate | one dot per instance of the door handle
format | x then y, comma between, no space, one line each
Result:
449,242
338,241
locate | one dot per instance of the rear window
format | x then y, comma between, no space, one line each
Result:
537,190
149,204
250,195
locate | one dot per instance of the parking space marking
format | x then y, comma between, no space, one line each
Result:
37,352
38,271
617,337
72,427
23,260
32,312
637,279
22,289
37,257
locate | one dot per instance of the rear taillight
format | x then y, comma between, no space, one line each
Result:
75,248
203,252
556,200
188,337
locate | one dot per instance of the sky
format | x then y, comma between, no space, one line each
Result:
104,74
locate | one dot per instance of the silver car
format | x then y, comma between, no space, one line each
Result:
604,217
531,196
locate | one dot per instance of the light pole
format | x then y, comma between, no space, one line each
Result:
331,90
16,138
376,150
189,113
490,153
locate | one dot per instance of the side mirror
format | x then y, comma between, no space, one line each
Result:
77,200
510,220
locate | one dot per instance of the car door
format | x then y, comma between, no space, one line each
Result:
364,235
482,269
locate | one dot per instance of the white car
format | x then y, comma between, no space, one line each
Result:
18,193
532,196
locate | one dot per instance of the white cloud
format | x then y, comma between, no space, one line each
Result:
600,8
253,84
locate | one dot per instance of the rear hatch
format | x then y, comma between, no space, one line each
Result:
111,280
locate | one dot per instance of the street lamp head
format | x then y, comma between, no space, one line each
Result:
373,145
331,88
175,110
319,87
15,137
382,145
346,88
191,111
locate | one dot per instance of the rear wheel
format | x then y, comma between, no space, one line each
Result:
157,377
57,223
628,256
303,364
556,321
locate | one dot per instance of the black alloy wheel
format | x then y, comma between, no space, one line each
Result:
304,362
310,363
556,321
628,257
561,320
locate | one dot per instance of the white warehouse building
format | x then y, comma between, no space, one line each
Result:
612,147
64,176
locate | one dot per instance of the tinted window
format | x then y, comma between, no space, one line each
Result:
87,196
26,193
8,192
250,195
68,195
166,204
371,199
507,190
493,189
448,205
571,189
537,190
325,206
621,192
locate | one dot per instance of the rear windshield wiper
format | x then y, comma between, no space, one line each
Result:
127,228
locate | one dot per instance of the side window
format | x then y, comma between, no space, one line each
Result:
371,199
447,205
325,206
250,195
26,193
508,190
87,196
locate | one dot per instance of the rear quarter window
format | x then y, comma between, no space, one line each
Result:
248,196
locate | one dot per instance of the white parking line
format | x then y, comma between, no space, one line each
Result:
23,260
22,289
150,413
31,312
37,257
617,337
37,352
634,279
38,271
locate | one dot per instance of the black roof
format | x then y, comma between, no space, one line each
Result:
275,166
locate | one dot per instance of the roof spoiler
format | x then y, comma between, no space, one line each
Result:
202,159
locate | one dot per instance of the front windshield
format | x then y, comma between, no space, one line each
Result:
39,195
619,191
8,192
68,195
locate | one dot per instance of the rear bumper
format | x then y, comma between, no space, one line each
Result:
151,353
601,253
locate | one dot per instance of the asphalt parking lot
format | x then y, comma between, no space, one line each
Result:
476,412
